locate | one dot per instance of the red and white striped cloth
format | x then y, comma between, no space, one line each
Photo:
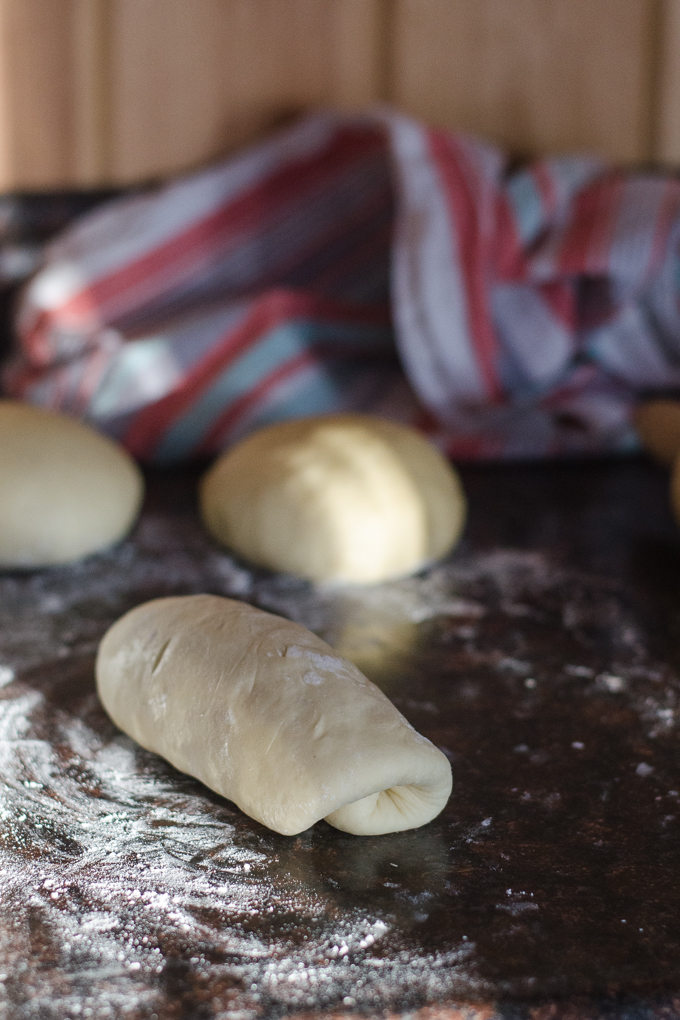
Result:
368,263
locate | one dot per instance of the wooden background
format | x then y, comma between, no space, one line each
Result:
115,91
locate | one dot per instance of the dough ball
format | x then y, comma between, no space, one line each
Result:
346,498
658,425
265,713
65,490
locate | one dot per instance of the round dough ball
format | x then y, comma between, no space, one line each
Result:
65,490
658,425
264,712
344,498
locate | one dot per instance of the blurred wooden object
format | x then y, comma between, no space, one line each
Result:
667,148
38,94
99,92
531,74
190,80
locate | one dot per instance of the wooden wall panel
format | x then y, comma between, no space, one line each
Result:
117,91
189,81
667,106
37,87
90,25
53,121
537,75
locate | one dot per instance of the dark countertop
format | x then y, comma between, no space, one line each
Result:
543,657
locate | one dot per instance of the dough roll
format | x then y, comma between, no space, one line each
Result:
265,713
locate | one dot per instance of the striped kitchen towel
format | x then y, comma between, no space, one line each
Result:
363,263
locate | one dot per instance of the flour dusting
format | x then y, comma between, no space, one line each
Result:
128,889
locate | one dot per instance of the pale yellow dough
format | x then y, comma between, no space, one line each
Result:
65,490
265,713
344,498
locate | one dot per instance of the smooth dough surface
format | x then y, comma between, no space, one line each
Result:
265,713
65,490
658,425
347,498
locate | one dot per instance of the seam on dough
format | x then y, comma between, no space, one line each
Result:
319,728
401,803
160,655
276,733
216,691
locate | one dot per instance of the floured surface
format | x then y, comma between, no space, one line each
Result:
127,889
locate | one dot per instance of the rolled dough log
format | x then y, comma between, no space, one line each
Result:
265,713
347,498
65,490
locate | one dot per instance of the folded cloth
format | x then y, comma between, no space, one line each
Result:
363,263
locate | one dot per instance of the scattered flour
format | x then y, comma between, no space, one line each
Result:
127,890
